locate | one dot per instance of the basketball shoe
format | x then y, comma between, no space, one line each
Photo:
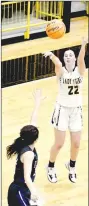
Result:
72,172
51,174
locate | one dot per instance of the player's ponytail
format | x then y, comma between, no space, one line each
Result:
28,135
15,147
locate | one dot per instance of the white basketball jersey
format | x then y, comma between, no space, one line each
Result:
70,88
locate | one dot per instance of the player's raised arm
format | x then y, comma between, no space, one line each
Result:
80,61
56,61
38,98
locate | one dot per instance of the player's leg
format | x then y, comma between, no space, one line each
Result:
75,134
58,144
75,143
60,122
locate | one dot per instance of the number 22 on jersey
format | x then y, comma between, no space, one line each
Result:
73,90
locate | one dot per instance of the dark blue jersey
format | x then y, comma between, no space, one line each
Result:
19,171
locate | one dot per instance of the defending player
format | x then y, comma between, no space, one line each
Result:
22,189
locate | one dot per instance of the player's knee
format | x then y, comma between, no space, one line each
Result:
59,146
76,144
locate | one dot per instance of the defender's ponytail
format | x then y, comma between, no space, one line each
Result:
15,147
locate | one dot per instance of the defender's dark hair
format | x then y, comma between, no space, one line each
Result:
28,135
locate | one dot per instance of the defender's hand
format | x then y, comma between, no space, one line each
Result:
38,96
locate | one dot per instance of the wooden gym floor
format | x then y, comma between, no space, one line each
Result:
17,105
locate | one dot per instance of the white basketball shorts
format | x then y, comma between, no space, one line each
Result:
64,118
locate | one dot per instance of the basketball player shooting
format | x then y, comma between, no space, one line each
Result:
68,109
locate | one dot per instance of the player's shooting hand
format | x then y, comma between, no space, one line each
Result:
47,54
